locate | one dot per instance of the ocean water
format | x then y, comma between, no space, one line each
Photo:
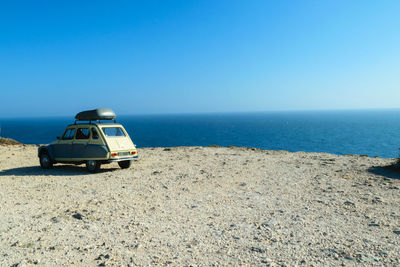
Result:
373,132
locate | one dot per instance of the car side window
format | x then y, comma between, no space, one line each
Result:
69,134
82,133
95,135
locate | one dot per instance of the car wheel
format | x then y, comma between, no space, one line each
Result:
93,165
125,164
45,161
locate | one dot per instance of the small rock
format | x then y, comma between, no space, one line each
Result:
15,265
376,200
265,224
77,216
397,232
138,245
348,203
99,257
348,257
366,258
102,264
167,149
374,224
382,253
266,261
259,250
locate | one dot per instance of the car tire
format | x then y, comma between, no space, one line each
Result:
125,164
45,161
93,166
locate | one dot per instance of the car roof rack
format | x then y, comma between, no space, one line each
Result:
96,115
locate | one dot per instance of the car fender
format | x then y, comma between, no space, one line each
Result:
47,148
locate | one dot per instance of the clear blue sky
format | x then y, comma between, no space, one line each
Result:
61,57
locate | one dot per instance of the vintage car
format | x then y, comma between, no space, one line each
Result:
92,141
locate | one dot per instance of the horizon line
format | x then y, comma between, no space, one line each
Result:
214,112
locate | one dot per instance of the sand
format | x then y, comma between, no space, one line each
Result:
200,206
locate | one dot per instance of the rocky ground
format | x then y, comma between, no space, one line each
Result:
200,206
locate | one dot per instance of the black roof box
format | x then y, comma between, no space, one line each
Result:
96,114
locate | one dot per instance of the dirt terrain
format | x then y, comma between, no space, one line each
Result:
200,206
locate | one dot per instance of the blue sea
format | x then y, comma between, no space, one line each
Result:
367,132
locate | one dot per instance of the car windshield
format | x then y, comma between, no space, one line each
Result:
113,131
69,134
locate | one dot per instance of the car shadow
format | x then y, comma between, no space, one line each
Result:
387,171
57,170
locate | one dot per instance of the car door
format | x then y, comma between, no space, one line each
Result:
96,148
79,146
63,148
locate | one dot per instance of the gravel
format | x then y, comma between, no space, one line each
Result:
200,206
